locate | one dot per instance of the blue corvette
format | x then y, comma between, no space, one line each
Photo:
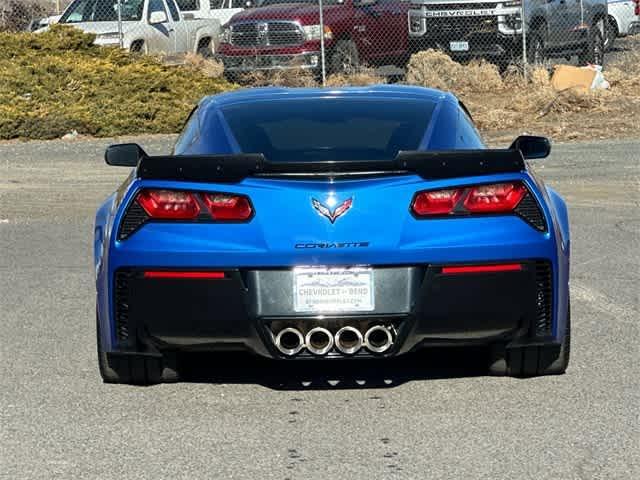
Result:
303,224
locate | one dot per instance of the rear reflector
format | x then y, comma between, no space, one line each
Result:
507,267
184,275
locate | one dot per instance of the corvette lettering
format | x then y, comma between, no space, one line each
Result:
330,245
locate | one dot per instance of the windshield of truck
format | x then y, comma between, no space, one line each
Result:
339,129
102,11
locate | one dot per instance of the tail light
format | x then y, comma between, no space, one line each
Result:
437,202
169,204
156,204
223,206
496,198
637,10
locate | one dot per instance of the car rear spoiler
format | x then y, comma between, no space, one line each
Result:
236,167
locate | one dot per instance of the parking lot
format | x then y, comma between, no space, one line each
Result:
432,415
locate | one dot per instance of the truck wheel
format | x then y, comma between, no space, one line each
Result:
536,48
204,48
593,51
611,33
532,361
345,58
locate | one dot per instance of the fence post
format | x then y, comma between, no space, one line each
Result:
322,56
120,34
523,19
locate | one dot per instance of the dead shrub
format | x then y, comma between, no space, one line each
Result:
363,77
209,67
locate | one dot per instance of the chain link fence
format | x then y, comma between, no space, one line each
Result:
344,37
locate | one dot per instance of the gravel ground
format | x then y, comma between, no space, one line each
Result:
426,416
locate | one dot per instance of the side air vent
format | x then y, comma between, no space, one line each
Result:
529,210
121,301
133,219
544,299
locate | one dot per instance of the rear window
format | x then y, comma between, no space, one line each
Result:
331,129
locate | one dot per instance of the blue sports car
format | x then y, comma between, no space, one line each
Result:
320,224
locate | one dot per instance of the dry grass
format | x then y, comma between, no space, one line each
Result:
206,66
364,76
296,77
504,106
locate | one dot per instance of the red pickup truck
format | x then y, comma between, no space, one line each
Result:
280,34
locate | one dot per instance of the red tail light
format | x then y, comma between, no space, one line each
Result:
494,198
637,10
223,206
169,204
437,202
497,198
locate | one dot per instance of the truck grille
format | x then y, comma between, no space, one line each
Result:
461,27
459,6
259,34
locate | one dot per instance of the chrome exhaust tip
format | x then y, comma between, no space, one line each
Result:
348,340
289,341
378,339
319,341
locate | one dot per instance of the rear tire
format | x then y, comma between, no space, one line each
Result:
536,48
593,52
204,48
136,369
532,361
611,33
345,58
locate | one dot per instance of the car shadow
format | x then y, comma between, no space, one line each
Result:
236,368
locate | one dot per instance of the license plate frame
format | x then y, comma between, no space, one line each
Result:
327,290
460,46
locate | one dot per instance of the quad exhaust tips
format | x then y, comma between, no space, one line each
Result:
378,339
348,340
289,341
319,341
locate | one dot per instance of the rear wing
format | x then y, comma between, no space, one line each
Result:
231,168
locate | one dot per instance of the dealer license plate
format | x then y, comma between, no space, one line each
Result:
459,46
331,290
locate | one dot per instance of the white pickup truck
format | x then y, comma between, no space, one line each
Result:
147,26
223,10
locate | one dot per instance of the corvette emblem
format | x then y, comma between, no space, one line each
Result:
337,212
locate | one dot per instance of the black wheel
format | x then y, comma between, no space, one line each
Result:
136,369
137,47
593,52
536,47
532,361
345,58
204,48
107,373
611,33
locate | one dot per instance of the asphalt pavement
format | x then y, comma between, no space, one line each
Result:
432,415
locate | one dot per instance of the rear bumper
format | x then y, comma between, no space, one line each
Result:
247,308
